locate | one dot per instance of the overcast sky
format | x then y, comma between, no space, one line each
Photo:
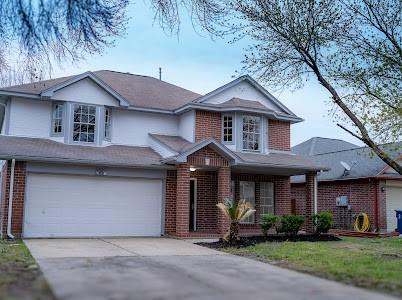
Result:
196,62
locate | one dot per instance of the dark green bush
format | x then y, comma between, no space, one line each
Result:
290,224
322,222
268,221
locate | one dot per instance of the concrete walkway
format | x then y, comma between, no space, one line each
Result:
161,268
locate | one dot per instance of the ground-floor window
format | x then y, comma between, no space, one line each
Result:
267,198
247,192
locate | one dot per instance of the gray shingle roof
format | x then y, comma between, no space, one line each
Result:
138,90
242,103
362,161
281,159
37,149
319,145
174,142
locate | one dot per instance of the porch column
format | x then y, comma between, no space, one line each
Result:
183,200
223,192
310,199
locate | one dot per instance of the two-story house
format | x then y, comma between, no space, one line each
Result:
115,154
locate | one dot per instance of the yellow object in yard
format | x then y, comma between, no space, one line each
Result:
364,226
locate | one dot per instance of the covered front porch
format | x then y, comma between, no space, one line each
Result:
208,176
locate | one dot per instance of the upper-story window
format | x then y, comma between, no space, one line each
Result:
227,124
57,119
251,133
108,123
84,123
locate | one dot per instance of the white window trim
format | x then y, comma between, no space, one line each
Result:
105,137
233,129
269,188
250,219
259,134
63,120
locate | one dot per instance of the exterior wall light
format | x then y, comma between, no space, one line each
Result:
192,169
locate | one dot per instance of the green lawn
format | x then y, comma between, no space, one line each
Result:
371,263
20,277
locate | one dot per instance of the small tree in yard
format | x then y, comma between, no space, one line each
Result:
235,212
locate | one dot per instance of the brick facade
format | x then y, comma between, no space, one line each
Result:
199,157
207,187
278,135
362,194
281,196
170,202
18,199
208,124
182,200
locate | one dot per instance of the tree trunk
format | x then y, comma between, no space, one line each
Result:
234,233
365,137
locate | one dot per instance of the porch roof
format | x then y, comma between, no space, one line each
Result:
278,163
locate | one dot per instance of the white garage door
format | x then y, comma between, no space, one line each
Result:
394,201
83,206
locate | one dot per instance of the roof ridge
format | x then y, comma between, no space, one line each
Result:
356,148
126,73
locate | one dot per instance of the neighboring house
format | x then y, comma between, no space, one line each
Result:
115,154
358,181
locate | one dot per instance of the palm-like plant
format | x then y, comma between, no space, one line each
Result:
235,212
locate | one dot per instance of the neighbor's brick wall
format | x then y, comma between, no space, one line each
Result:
18,199
361,195
382,202
278,135
207,125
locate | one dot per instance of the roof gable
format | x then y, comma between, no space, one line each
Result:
245,88
88,84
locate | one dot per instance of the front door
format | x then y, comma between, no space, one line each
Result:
193,204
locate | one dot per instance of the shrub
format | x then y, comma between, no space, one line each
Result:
290,224
267,222
322,222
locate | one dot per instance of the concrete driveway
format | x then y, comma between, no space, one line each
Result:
162,268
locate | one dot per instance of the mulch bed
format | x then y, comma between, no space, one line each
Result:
252,240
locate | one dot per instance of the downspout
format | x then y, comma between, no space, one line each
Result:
376,210
315,195
10,200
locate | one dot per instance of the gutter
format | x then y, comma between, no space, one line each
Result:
10,200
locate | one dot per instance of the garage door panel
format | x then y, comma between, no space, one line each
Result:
394,201
65,205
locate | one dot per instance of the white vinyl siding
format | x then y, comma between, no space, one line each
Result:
247,192
267,204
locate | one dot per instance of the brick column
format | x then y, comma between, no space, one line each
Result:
309,210
18,198
183,200
223,192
